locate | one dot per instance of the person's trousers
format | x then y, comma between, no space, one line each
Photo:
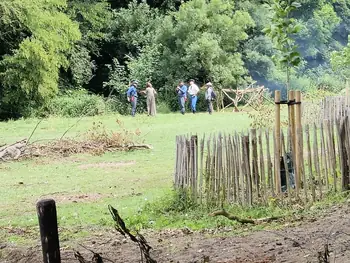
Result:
193,103
210,106
182,104
133,106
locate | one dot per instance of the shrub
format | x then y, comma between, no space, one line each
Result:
75,104
163,107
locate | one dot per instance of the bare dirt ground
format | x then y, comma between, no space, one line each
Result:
304,242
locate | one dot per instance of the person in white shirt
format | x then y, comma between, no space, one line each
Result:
193,91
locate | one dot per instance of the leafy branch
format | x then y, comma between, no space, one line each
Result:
281,31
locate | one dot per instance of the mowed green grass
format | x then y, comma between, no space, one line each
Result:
127,188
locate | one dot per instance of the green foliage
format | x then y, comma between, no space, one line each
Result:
75,104
144,67
203,37
81,66
316,33
52,45
281,31
94,19
29,76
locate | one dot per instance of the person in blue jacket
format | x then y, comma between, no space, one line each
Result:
181,91
132,96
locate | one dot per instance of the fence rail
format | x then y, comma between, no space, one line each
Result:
239,168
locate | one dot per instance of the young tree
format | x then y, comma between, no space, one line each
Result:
281,30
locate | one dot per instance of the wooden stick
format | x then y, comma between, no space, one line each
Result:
244,220
277,140
298,158
255,169
316,161
269,163
262,165
311,177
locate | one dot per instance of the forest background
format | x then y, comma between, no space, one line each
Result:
73,57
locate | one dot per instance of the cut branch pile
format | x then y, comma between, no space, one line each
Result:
69,146
96,141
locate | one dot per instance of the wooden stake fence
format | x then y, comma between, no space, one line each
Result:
239,168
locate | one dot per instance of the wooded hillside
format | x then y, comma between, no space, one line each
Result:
51,48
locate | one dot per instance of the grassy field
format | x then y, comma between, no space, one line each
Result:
82,192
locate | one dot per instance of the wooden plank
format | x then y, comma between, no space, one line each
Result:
283,149
324,155
311,177
201,175
277,163
347,146
316,161
332,154
292,127
344,149
249,185
270,181
194,142
239,165
277,140
255,169
208,174
262,165
298,127
302,166
221,187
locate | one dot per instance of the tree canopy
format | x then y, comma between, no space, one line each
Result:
51,46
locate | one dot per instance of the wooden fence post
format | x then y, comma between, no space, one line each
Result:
277,140
344,153
292,125
194,166
47,215
298,140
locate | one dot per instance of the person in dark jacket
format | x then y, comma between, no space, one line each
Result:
181,91
132,96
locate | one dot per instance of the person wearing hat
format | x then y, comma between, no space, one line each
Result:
193,91
181,91
132,96
209,96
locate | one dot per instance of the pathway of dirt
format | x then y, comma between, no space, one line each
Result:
298,244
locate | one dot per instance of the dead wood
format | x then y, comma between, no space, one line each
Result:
139,239
243,220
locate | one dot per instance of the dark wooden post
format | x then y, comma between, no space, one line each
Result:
47,216
344,139
194,163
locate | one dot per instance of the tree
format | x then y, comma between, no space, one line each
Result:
202,41
281,30
29,74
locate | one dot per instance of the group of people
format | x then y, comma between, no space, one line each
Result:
192,92
150,93
182,92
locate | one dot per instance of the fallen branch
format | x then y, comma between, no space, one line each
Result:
244,220
138,238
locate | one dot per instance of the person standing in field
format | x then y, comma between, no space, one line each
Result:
132,96
151,99
181,91
209,96
193,91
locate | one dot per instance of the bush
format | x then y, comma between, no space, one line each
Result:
75,104
163,107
